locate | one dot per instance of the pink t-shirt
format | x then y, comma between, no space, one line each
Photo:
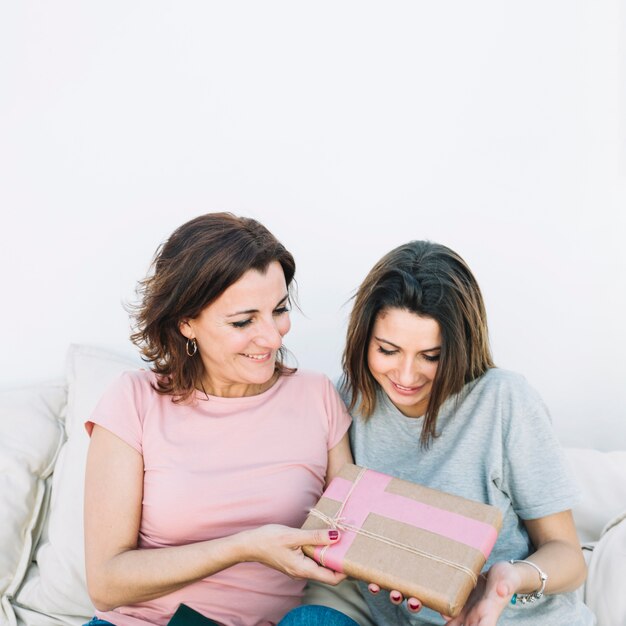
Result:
220,466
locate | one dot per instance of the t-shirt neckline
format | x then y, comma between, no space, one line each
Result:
202,397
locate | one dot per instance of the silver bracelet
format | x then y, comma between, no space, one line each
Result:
533,595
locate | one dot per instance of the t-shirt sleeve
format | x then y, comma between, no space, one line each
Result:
339,419
536,476
119,410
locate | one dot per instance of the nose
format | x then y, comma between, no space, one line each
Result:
269,334
407,371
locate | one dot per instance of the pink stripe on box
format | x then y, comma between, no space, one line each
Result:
369,496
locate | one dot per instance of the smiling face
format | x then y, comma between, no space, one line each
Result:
239,334
403,355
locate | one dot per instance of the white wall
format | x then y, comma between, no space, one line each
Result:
496,128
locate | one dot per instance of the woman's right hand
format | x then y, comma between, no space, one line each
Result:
280,547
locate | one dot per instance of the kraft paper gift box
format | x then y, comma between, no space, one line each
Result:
425,543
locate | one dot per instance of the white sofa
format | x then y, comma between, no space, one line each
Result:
42,454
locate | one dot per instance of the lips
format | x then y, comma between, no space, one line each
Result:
405,390
259,358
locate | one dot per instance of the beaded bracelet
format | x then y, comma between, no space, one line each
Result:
533,595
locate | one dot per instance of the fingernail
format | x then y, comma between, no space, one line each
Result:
413,605
396,597
373,590
333,535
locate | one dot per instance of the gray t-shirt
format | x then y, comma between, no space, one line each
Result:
495,445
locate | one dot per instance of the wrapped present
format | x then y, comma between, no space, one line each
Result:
425,543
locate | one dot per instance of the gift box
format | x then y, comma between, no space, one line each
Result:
425,543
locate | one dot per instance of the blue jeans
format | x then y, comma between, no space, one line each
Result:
315,615
310,615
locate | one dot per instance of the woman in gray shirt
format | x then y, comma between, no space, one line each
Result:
430,406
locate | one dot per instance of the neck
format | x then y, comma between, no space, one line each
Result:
211,387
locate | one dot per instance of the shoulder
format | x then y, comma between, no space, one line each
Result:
138,381
307,379
507,398
501,396
504,384
498,377
139,377
134,386
318,390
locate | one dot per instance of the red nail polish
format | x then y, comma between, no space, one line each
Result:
414,605
395,596
333,534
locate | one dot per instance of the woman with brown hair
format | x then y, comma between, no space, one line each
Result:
201,470
429,406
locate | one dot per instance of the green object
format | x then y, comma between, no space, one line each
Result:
186,616
514,599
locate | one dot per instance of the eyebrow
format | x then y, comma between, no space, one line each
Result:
250,311
399,348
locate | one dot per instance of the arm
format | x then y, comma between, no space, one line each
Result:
120,573
558,554
338,457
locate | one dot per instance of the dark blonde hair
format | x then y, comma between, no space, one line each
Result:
430,280
199,261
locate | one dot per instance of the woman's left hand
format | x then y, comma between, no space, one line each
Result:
395,597
490,597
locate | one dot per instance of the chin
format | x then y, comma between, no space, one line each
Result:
264,375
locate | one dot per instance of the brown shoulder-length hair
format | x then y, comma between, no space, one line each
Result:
430,280
199,261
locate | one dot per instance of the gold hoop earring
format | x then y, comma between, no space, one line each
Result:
194,347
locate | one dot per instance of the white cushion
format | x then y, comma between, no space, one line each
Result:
602,479
604,592
31,435
58,587
29,617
